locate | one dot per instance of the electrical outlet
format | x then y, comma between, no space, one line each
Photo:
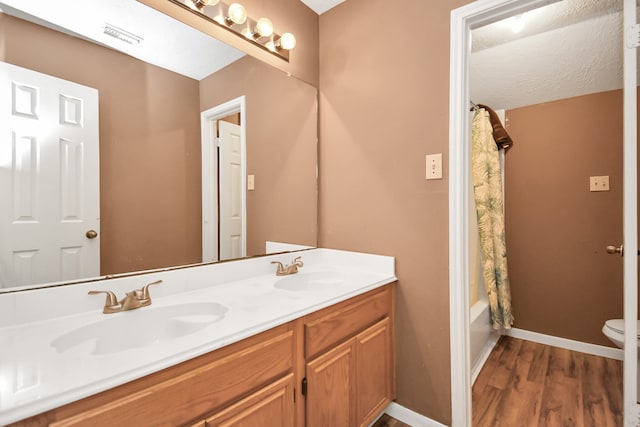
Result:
434,166
599,183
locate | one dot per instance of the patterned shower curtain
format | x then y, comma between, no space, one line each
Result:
487,187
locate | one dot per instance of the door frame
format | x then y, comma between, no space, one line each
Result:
630,215
210,218
463,20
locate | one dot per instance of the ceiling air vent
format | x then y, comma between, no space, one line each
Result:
120,34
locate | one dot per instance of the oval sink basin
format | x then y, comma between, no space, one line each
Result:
310,281
139,328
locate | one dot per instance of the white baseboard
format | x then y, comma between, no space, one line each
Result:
583,347
410,417
486,352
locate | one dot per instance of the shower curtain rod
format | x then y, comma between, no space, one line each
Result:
500,135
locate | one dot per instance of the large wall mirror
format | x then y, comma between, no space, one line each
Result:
149,93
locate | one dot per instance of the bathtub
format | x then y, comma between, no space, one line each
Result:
482,337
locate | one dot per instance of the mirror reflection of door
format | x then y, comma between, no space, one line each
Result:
230,189
49,167
224,201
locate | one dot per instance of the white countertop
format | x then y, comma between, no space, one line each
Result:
36,377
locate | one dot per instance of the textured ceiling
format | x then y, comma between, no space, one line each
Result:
321,6
566,49
544,19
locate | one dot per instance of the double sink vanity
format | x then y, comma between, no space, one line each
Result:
219,344
226,343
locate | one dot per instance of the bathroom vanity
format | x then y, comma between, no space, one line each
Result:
242,346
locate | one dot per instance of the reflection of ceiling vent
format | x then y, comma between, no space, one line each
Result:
121,34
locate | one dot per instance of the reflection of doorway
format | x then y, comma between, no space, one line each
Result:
49,179
224,212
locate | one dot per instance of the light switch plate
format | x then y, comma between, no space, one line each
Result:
599,183
434,166
251,182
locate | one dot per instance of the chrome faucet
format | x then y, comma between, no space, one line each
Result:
134,299
289,269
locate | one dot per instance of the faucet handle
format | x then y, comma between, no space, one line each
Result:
144,295
111,304
298,261
280,269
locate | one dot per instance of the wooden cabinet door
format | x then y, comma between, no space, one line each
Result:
270,406
374,367
331,388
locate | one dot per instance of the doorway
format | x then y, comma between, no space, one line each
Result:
463,21
224,203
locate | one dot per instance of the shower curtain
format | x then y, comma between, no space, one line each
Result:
487,187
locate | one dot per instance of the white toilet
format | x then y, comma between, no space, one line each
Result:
614,330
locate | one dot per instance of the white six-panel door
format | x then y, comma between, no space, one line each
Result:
230,190
49,178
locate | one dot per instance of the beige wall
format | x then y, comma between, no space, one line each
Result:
149,145
287,16
563,282
383,106
281,126
384,90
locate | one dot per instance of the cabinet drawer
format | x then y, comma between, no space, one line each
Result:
270,406
205,389
331,326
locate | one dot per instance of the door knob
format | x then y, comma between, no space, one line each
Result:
91,234
615,250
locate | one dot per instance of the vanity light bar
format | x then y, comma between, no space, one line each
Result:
120,34
234,18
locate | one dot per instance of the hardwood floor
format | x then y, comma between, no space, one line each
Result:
529,384
387,421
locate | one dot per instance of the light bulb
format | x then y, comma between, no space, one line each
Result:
202,3
517,23
287,41
264,28
237,14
